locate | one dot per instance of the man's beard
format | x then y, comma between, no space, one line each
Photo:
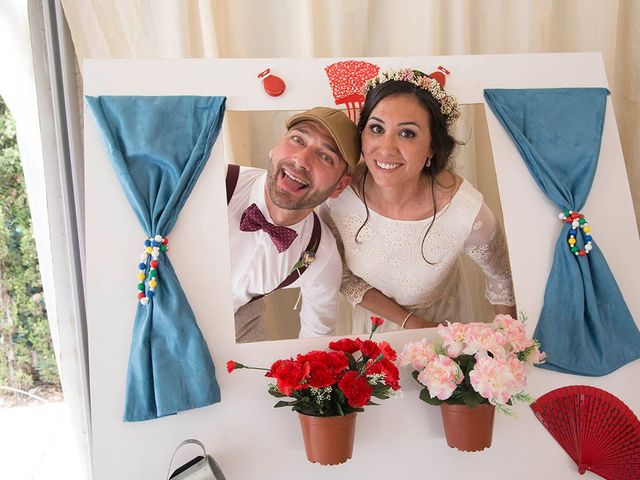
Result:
281,199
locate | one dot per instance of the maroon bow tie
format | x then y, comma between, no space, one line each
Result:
252,220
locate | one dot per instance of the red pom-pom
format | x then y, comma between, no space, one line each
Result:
141,295
153,263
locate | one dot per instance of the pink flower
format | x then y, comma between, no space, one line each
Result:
514,332
454,338
417,354
480,338
534,356
441,377
498,380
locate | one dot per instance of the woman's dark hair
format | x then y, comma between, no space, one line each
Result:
442,143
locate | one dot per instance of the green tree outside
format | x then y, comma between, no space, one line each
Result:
26,352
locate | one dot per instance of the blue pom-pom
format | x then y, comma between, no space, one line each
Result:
147,243
587,238
142,266
573,232
150,293
154,243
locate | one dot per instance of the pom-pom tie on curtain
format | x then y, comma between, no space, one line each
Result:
578,222
148,267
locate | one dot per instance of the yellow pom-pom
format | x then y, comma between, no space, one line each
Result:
141,276
572,241
149,249
586,229
152,284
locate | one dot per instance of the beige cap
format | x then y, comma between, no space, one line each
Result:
343,131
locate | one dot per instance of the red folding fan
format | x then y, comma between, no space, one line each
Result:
597,430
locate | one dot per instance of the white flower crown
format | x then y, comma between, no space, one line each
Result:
448,103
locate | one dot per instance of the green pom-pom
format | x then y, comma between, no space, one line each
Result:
163,248
574,249
141,287
153,273
582,221
567,213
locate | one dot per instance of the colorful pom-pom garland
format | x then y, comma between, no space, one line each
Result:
152,248
577,221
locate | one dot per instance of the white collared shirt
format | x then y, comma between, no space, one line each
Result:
257,267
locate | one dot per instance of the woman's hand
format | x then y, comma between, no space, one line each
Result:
416,322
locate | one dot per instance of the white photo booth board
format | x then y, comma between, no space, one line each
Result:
399,438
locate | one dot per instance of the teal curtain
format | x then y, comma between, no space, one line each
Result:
585,326
158,147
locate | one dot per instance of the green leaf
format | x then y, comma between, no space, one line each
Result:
380,395
473,399
425,397
282,403
276,393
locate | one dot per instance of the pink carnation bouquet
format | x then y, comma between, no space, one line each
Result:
475,363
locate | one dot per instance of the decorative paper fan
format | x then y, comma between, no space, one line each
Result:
598,431
347,79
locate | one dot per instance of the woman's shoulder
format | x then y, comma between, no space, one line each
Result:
466,192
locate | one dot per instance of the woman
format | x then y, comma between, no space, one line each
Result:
407,217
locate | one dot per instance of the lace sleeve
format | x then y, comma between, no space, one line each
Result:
487,247
353,287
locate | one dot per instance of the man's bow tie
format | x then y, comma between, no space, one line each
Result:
252,220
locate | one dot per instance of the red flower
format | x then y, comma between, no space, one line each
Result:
320,375
313,356
326,367
345,345
369,348
376,322
289,374
386,368
387,351
355,388
337,362
231,366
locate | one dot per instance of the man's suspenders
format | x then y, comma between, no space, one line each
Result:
233,172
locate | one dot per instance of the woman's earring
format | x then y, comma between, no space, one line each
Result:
428,164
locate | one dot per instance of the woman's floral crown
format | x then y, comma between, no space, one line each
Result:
448,103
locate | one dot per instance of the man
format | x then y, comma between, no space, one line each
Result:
276,239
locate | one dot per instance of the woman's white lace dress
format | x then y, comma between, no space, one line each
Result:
387,256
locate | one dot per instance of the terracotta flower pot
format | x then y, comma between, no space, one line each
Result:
468,429
328,440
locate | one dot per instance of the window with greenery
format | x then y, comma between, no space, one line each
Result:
26,354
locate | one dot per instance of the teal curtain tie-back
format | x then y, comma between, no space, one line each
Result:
158,147
585,326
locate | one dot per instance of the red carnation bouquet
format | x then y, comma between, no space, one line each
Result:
337,382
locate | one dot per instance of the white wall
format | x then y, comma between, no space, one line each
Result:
244,433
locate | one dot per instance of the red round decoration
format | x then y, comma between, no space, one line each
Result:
272,84
141,295
154,263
